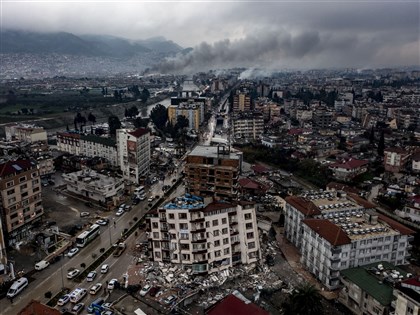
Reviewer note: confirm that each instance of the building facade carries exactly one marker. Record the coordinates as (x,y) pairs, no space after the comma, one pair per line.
(213,171)
(206,238)
(96,146)
(68,142)
(395,159)
(248,125)
(21,200)
(241,101)
(133,148)
(193,111)
(26,133)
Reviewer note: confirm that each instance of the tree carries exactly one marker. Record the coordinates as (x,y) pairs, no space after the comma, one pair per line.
(140,122)
(132,112)
(159,116)
(181,122)
(113,124)
(381,144)
(305,300)
(145,94)
(92,118)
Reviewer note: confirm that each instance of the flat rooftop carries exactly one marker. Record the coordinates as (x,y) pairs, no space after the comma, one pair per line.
(187,201)
(212,152)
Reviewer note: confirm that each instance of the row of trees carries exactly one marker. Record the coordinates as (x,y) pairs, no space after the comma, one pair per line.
(159,116)
(80,120)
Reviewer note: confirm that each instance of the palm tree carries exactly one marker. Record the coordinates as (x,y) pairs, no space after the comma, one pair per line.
(305,300)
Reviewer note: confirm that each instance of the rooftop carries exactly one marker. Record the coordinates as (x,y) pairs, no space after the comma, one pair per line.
(214,152)
(139,132)
(376,279)
(97,139)
(329,231)
(13,167)
(232,305)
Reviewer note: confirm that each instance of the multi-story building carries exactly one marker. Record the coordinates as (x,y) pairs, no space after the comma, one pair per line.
(322,118)
(248,125)
(96,146)
(68,142)
(45,165)
(415,162)
(193,111)
(368,290)
(133,148)
(26,133)
(213,171)
(241,101)
(395,159)
(407,297)
(347,170)
(204,237)
(334,231)
(91,185)
(21,200)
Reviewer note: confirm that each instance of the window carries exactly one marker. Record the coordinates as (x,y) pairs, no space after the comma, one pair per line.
(226,251)
(216,233)
(171,216)
(248,216)
(217,253)
(248,226)
(172,226)
(156,244)
(224,231)
(185,246)
(182,216)
(207,224)
(155,234)
(183,226)
(10,192)
(251,245)
(224,220)
(215,222)
(22,179)
(250,235)
(155,225)
(34,174)
(25,194)
(11,200)
(10,184)
(23,186)
(157,254)
(225,241)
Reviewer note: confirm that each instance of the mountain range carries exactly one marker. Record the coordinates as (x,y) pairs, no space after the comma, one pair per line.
(14,41)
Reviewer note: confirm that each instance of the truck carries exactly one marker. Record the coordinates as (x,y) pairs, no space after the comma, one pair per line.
(119,250)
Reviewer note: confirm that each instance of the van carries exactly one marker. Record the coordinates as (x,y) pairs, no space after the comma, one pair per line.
(98,301)
(17,287)
(77,295)
(41,265)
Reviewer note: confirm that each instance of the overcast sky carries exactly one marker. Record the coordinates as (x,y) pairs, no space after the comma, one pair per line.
(280,33)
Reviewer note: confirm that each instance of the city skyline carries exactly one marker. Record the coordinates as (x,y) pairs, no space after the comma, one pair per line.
(271,35)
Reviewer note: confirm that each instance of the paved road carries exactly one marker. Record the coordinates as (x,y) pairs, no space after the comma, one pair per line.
(54,277)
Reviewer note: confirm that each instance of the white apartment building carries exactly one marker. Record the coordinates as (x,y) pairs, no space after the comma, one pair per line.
(96,146)
(248,125)
(133,149)
(334,231)
(98,187)
(204,237)
(68,142)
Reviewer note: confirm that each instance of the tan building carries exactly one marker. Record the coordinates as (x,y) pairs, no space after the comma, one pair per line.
(395,159)
(21,200)
(241,102)
(213,171)
(27,133)
(193,111)
(204,237)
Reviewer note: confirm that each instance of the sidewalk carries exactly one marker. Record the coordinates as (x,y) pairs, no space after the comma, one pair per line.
(293,258)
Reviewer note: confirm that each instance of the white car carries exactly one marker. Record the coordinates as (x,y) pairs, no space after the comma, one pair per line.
(151,199)
(73,273)
(72,252)
(145,289)
(91,275)
(95,288)
(120,212)
(111,284)
(63,300)
(104,268)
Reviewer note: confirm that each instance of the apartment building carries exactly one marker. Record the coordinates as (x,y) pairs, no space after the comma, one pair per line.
(248,125)
(25,132)
(96,146)
(334,231)
(133,149)
(241,101)
(91,185)
(204,237)
(213,171)
(21,200)
(193,111)
(68,142)
(395,159)
(407,297)
(322,118)
(45,165)
(348,169)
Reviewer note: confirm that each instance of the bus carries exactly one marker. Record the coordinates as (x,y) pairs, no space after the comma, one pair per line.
(85,237)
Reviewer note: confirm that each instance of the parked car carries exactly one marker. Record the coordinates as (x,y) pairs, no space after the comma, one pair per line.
(153,291)
(95,288)
(72,252)
(77,308)
(145,289)
(102,221)
(151,198)
(112,283)
(104,268)
(63,300)
(72,273)
(169,299)
(120,212)
(84,214)
(91,276)
(136,201)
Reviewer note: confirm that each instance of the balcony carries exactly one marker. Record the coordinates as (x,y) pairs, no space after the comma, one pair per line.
(197,219)
(162,219)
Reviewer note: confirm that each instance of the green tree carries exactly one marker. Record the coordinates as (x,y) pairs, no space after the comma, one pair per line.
(159,116)
(181,122)
(381,144)
(91,118)
(133,111)
(113,124)
(145,94)
(305,300)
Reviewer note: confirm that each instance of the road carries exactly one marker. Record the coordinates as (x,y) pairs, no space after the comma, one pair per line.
(54,277)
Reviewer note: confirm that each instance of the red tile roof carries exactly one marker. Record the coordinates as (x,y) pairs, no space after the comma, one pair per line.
(7,168)
(306,207)
(248,183)
(139,132)
(328,231)
(361,201)
(231,305)
(37,308)
(395,225)
(350,164)
(395,150)
(260,169)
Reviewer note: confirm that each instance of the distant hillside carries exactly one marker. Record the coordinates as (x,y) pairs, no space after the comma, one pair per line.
(87,45)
